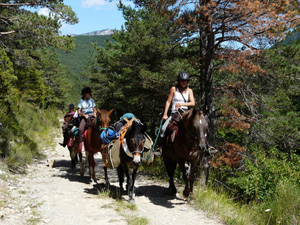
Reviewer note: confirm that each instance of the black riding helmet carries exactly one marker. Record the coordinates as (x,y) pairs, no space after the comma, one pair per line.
(183,76)
(86,90)
(71,106)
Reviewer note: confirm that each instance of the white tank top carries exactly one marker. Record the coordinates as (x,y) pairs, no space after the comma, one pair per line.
(177,98)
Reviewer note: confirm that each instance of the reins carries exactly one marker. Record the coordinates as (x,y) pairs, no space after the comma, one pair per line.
(157,132)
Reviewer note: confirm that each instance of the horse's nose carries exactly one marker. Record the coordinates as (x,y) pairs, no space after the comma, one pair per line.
(202,145)
(137,159)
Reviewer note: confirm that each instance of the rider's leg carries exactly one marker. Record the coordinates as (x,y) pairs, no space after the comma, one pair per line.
(81,134)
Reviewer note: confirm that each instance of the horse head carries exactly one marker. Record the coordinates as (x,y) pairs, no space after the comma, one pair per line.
(196,122)
(135,140)
(103,116)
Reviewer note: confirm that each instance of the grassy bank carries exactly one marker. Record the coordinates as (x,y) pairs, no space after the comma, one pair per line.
(27,135)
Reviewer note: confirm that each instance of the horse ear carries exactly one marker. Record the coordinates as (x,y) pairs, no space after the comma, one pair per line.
(98,110)
(110,111)
(195,111)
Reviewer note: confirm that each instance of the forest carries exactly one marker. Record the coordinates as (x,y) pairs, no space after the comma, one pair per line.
(244,60)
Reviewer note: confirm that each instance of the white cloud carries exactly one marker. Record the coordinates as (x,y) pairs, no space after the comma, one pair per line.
(44,11)
(93,3)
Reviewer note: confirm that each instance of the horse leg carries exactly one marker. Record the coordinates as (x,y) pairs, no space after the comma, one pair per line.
(106,177)
(131,188)
(192,174)
(170,166)
(121,178)
(129,180)
(92,165)
(184,176)
(72,156)
(192,179)
(81,166)
(87,163)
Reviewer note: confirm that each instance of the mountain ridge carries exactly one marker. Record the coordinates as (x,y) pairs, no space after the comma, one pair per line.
(103,32)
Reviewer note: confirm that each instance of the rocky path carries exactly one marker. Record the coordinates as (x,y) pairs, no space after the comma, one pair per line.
(59,195)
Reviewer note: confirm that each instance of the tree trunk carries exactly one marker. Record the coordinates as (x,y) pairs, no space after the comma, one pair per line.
(207,42)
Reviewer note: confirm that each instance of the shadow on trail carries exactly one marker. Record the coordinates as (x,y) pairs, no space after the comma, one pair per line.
(100,189)
(66,171)
(158,195)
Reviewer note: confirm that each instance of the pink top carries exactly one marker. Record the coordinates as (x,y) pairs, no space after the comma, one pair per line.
(70,114)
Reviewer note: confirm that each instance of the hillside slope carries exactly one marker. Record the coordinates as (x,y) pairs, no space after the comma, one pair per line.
(77,60)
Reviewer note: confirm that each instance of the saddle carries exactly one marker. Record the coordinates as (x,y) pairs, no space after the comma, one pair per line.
(172,128)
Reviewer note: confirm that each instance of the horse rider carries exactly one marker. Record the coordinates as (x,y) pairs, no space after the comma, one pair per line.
(86,111)
(67,118)
(180,97)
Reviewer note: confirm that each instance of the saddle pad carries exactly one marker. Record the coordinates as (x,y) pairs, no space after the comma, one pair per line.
(126,149)
(147,147)
(111,155)
(148,142)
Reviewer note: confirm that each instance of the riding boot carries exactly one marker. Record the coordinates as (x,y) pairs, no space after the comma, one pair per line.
(64,143)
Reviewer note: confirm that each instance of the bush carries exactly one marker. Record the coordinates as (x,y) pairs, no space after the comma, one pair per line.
(263,173)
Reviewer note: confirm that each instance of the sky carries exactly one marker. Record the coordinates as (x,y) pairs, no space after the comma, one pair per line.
(93,15)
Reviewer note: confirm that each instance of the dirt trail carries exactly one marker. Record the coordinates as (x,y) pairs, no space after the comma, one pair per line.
(59,195)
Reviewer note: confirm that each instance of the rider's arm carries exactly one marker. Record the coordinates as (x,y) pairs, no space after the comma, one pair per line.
(168,103)
(95,111)
(191,103)
(82,114)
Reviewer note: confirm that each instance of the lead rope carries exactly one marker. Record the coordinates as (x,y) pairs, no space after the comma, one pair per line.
(100,128)
(157,132)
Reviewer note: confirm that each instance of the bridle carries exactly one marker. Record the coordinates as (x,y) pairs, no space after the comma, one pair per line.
(193,137)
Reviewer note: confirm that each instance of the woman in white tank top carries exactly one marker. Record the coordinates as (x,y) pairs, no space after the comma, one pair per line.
(180,96)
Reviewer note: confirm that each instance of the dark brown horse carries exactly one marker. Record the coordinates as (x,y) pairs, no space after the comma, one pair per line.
(131,153)
(93,142)
(189,146)
(69,139)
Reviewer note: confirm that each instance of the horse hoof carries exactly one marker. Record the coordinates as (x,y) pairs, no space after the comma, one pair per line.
(131,201)
(81,173)
(172,190)
(185,194)
(107,184)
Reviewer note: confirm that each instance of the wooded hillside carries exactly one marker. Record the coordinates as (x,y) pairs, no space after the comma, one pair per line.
(78,60)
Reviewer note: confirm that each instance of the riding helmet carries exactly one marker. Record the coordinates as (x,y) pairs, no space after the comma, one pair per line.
(71,106)
(183,76)
(86,90)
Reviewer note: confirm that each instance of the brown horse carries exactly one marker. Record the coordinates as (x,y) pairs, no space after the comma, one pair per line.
(93,142)
(189,146)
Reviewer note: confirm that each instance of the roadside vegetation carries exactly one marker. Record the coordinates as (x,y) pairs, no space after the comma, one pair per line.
(32,81)
(249,90)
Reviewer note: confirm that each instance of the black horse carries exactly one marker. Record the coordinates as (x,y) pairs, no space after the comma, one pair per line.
(131,152)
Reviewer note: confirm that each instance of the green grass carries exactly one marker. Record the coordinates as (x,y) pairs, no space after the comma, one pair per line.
(35,219)
(283,208)
(123,206)
(22,192)
(135,220)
